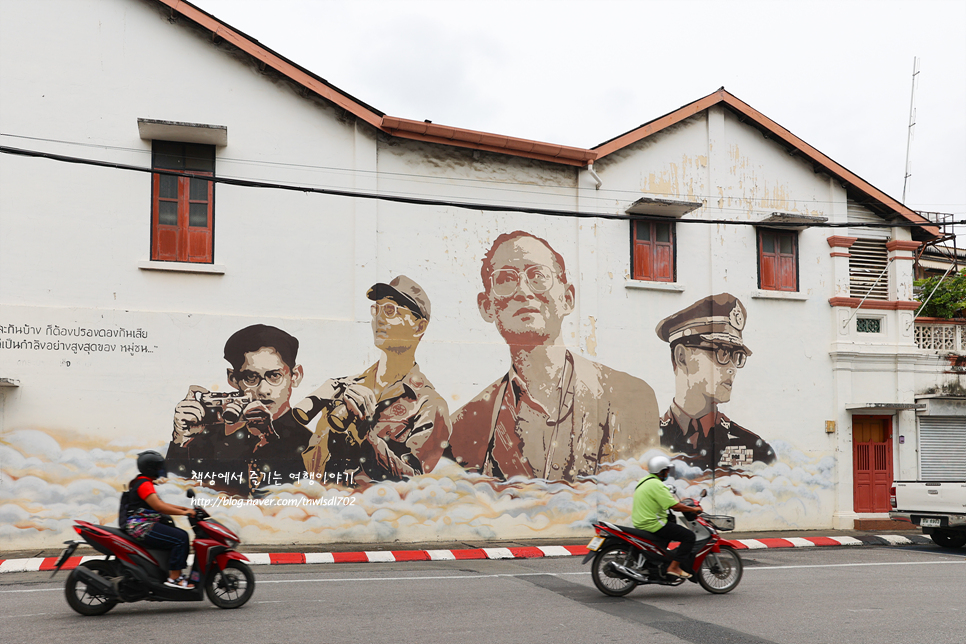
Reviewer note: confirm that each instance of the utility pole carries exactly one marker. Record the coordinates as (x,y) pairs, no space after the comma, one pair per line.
(912,126)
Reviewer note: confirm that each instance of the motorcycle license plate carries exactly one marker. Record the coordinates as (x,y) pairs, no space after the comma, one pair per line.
(931,522)
(595,543)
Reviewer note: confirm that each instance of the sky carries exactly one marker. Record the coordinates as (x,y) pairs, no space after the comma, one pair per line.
(836,74)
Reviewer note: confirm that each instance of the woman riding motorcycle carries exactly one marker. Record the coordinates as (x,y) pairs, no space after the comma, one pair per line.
(147,522)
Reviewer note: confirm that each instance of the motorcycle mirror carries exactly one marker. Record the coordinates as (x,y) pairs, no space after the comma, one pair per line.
(190,493)
(704,493)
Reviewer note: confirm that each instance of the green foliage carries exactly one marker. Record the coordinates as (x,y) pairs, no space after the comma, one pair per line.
(949,301)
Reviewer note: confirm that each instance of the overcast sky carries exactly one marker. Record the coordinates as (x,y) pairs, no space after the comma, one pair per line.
(836,74)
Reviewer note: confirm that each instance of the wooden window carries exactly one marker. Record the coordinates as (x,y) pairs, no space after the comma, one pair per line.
(777,260)
(653,250)
(182,207)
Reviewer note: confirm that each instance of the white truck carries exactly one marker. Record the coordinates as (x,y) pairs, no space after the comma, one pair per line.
(938,507)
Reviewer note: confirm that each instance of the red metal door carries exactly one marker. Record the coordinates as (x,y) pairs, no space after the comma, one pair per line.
(871,463)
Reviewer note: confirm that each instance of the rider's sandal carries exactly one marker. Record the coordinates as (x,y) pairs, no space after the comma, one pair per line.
(682,574)
(181,582)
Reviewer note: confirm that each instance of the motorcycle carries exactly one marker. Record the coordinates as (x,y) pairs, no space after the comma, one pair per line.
(625,557)
(131,573)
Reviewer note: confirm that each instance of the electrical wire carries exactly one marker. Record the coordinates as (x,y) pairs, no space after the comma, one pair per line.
(422,201)
(605,195)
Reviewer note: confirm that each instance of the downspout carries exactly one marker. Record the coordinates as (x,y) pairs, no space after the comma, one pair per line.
(590,169)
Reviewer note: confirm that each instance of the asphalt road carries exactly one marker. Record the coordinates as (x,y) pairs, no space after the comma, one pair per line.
(789,596)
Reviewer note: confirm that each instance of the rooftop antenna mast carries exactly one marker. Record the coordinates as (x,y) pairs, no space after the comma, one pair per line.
(912,126)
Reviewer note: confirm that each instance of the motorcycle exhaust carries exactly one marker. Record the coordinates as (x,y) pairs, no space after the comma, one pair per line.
(629,573)
(95,581)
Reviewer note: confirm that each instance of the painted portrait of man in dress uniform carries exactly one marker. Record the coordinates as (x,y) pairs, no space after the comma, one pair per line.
(555,415)
(707,352)
(387,422)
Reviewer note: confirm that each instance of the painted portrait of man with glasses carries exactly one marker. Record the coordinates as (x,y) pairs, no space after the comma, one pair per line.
(555,415)
(707,351)
(387,423)
(242,442)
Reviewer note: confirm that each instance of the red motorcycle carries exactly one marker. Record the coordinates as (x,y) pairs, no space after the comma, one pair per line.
(132,573)
(626,557)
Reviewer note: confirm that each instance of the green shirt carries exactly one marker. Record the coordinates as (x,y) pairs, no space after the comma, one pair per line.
(651,502)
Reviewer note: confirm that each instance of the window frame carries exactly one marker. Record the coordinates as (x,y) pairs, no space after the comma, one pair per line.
(652,246)
(182,242)
(782,261)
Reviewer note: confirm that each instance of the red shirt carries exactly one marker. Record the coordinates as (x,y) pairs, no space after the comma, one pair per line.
(145,490)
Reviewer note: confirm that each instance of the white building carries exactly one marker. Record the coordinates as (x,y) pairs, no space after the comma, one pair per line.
(119,288)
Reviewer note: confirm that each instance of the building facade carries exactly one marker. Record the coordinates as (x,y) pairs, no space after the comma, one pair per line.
(427,333)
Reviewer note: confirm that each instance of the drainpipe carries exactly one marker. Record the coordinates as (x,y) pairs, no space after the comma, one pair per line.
(590,169)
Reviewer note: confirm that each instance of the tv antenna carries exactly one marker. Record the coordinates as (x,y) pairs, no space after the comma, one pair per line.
(912,126)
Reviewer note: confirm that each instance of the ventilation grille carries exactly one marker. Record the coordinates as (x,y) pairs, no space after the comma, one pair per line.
(868,261)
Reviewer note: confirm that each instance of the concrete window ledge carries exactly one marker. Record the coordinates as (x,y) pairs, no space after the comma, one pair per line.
(182,267)
(762,294)
(674,287)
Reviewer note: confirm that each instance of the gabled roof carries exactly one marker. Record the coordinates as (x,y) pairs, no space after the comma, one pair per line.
(858,188)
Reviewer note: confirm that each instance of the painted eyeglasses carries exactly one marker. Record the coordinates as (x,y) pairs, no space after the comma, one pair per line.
(389,309)
(252,379)
(505,281)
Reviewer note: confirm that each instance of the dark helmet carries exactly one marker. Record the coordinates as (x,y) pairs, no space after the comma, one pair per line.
(150,463)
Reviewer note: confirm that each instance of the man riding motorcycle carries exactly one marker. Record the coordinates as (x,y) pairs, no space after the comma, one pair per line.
(652,500)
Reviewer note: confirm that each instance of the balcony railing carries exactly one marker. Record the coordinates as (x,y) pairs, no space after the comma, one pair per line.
(936,334)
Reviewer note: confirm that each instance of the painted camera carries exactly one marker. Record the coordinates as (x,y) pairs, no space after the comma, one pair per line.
(216,405)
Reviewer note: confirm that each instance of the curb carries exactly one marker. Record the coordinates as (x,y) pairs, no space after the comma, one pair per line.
(41,564)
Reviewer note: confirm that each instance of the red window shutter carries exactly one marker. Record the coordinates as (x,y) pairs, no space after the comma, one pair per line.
(182,219)
(777,261)
(786,273)
(642,260)
(663,262)
(653,251)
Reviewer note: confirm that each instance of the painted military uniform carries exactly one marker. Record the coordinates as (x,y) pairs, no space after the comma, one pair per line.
(408,433)
(604,415)
(713,324)
(713,441)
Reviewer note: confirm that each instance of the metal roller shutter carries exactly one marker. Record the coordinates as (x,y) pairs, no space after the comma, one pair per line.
(942,448)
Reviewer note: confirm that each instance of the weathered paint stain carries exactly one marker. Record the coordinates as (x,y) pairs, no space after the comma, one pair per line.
(591,341)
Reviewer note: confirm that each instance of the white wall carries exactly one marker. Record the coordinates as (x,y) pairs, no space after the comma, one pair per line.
(72,238)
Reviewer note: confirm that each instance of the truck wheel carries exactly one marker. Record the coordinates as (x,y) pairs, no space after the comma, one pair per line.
(948,538)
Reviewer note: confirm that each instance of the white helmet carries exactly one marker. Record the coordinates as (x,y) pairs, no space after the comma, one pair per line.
(658,464)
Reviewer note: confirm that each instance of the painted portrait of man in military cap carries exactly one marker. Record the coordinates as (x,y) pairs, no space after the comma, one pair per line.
(388,422)
(554,415)
(707,352)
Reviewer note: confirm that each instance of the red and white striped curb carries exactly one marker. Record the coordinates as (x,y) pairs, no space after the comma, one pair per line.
(527,552)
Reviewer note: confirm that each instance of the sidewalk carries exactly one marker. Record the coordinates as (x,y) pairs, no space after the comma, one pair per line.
(25,561)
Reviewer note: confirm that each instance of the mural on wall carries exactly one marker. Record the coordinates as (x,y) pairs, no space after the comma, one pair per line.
(707,351)
(556,442)
(554,415)
(243,441)
(387,422)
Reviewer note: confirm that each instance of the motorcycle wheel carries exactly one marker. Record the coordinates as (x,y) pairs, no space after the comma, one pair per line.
(608,582)
(83,599)
(231,587)
(949,539)
(720,573)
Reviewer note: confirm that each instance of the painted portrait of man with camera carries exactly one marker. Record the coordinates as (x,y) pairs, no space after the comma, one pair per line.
(389,422)
(247,439)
